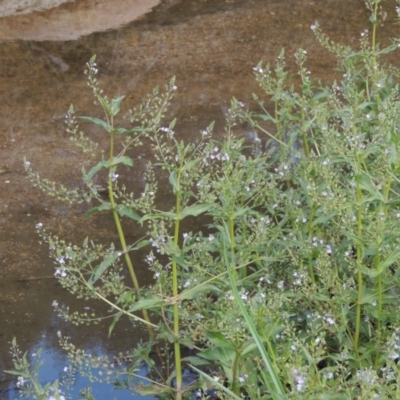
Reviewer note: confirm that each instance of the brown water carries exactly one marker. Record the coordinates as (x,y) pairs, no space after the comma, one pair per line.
(211,46)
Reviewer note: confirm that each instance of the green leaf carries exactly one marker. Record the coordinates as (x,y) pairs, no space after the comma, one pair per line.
(104,104)
(99,122)
(392,258)
(122,160)
(273,380)
(101,207)
(123,131)
(249,347)
(321,95)
(116,105)
(218,385)
(105,264)
(191,293)
(196,361)
(219,341)
(140,244)
(173,180)
(96,169)
(147,303)
(115,320)
(18,373)
(263,117)
(125,211)
(195,210)
(161,214)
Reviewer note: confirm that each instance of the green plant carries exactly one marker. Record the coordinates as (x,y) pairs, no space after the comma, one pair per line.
(288,287)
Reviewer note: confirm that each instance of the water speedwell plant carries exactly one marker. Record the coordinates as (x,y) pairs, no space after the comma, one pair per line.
(285,282)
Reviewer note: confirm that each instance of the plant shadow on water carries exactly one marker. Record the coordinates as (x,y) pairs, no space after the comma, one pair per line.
(203,105)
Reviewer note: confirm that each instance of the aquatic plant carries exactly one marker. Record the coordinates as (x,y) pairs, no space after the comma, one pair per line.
(288,286)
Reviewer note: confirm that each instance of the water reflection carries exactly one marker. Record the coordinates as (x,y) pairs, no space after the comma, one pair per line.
(211,46)
(55,367)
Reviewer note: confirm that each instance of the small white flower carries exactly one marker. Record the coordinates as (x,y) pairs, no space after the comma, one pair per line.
(20,381)
(113,176)
(39,225)
(55,303)
(174,87)
(27,164)
(243,296)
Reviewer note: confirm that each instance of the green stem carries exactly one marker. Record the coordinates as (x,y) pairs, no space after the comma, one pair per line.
(374,27)
(122,237)
(231,225)
(279,131)
(272,381)
(235,371)
(359,264)
(310,235)
(177,348)
(378,265)
(127,257)
(305,137)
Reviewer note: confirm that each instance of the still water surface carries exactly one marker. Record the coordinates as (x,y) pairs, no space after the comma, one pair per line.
(211,46)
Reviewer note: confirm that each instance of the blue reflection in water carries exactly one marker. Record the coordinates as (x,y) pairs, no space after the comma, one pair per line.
(52,369)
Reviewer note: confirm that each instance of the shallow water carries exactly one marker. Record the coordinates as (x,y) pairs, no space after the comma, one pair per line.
(210,46)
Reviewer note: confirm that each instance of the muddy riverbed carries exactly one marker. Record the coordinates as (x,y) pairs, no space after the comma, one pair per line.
(211,46)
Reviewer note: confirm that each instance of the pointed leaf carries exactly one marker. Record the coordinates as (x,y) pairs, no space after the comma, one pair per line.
(105,264)
(96,168)
(191,293)
(123,131)
(196,360)
(217,384)
(115,320)
(94,210)
(116,105)
(218,340)
(195,210)
(125,211)
(173,180)
(122,160)
(145,304)
(104,104)
(99,122)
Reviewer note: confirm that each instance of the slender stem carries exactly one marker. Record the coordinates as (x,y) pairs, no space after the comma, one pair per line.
(235,371)
(310,234)
(177,348)
(231,225)
(374,27)
(378,265)
(359,264)
(305,137)
(127,257)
